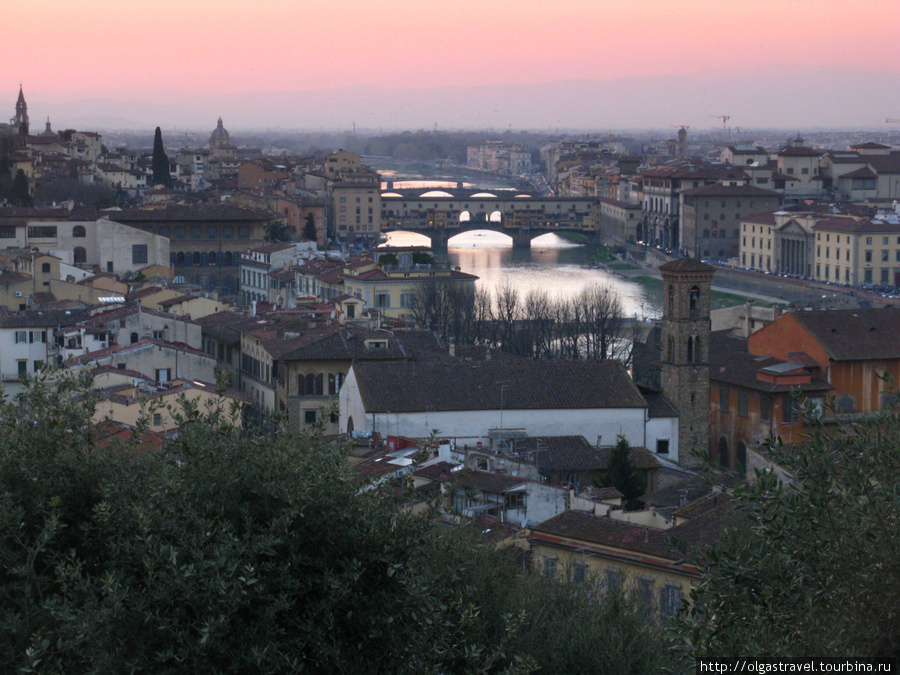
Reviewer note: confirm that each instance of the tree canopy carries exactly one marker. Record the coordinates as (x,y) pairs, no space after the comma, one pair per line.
(231,551)
(815,571)
(621,474)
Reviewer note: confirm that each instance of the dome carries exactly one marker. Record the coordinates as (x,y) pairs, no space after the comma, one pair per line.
(219,136)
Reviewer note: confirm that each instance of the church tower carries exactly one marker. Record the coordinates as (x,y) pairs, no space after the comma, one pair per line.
(685,359)
(21,119)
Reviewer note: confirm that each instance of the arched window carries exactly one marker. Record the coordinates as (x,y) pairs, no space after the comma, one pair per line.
(45,268)
(332,385)
(79,231)
(198,259)
(723,453)
(690,350)
(80,255)
(694,301)
(350,425)
(706,234)
(320,379)
(179,259)
(213,258)
(671,350)
(742,456)
(671,300)
(228,259)
(310,389)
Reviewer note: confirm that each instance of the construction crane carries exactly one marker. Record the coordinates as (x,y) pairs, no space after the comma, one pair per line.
(724,119)
(679,126)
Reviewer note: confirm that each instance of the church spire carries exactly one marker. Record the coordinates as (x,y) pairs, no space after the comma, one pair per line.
(21,118)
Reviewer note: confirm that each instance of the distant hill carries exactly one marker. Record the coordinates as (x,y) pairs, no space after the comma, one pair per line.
(793,98)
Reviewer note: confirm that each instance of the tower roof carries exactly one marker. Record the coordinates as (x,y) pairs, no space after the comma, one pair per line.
(687,264)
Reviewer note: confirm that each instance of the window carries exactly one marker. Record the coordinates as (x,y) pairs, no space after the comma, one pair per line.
(613,578)
(23,369)
(227,232)
(382,300)
(742,403)
(309,416)
(212,232)
(38,365)
(79,231)
(139,254)
(579,573)
(790,412)
(159,335)
(45,268)
(157,419)
(164,231)
(42,231)
(179,232)
(723,398)
(514,500)
(243,232)
(669,600)
(550,567)
(195,231)
(694,302)
(845,403)
(7,231)
(21,336)
(869,255)
(79,255)
(765,408)
(645,591)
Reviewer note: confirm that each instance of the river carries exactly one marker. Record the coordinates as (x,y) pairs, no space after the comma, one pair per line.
(553,264)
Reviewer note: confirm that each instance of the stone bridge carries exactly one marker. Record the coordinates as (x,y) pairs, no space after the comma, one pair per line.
(442,214)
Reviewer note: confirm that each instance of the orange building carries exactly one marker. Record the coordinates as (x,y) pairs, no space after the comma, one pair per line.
(829,353)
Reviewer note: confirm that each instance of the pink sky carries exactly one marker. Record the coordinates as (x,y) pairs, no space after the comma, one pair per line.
(104,47)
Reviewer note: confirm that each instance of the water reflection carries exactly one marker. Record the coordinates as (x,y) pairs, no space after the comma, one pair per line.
(553,264)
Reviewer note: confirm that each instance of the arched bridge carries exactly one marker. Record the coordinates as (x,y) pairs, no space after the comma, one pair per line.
(440,214)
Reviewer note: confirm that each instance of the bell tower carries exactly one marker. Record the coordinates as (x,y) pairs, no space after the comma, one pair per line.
(21,118)
(685,359)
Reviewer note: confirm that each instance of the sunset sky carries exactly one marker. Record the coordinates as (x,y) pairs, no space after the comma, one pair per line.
(128,49)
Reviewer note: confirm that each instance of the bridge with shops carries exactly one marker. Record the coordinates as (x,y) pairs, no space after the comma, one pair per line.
(442,214)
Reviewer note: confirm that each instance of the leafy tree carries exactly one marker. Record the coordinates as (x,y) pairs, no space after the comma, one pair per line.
(277,230)
(816,569)
(160,162)
(309,227)
(233,552)
(621,474)
(20,194)
(388,259)
(422,258)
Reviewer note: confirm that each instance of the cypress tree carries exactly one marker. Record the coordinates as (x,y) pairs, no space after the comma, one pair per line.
(309,229)
(620,473)
(160,165)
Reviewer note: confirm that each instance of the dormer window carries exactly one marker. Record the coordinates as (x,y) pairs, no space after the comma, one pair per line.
(376,344)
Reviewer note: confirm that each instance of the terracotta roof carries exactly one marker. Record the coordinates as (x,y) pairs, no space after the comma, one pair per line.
(575,453)
(730,362)
(495,483)
(608,532)
(719,190)
(492,528)
(855,334)
(686,264)
(47,319)
(706,503)
(539,385)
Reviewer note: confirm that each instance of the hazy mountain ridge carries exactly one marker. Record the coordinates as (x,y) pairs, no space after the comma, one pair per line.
(766,97)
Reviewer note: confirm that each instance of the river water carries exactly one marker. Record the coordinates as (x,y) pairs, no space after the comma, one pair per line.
(553,264)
